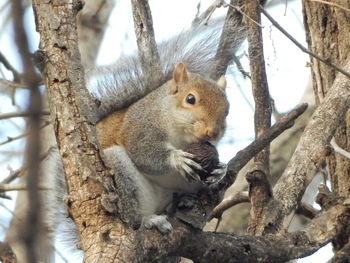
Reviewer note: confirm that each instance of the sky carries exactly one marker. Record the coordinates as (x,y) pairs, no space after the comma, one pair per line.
(286,68)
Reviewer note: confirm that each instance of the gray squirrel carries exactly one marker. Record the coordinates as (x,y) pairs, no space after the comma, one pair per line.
(146,129)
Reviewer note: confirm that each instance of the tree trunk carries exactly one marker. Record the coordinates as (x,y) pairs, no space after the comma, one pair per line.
(327,31)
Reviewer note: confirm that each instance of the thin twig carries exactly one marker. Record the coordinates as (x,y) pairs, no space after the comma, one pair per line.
(307,211)
(11,139)
(207,13)
(12,84)
(13,175)
(19,114)
(238,9)
(339,150)
(20,187)
(331,4)
(326,61)
(228,203)
(4,61)
(20,172)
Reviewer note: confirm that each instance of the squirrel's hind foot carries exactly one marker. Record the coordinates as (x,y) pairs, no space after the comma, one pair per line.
(158,221)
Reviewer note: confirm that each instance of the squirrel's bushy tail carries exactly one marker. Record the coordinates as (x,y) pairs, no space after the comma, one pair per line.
(119,85)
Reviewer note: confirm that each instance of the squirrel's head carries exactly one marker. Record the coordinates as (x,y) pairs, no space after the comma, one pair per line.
(201,105)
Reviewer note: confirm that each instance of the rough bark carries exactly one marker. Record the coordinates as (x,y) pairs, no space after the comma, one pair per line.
(71,106)
(147,47)
(91,25)
(309,154)
(258,183)
(328,34)
(327,30)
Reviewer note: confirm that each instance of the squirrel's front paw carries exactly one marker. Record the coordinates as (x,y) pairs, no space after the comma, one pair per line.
(184,163)
(217,174)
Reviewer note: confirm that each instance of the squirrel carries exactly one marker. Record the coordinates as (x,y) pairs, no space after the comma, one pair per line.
(144,129)
(153,132)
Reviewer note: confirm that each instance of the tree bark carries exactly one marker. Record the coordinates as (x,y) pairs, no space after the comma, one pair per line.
(327,30)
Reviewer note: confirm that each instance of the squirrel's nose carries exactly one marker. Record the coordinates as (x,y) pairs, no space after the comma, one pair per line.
(211,132)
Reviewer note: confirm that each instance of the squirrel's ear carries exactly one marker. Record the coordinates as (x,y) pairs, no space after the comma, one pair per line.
(179,76)
(222,82)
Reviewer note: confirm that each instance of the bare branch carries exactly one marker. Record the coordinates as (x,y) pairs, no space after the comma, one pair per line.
(11,84)
(20,187)
(246,15)
(146,43)
(225,247)
(339,150)
(307,211)
(305,50)
(11,139)
(14,175)
(233,34)
(7,65)
(243,156)
(207,13)
(73,112)
(228,203)
(260,194)
(310,152)
(19,114)
(262,116)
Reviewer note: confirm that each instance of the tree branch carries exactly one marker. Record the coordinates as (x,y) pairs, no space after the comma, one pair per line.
(244,156)
(11,139)
(146,43)
(222,247)
(19,114)
(7,65)
(233,34)
(310,152)
(207,13)
(304,49)
(20,187)
(228,203)
(262,116)
(72,110)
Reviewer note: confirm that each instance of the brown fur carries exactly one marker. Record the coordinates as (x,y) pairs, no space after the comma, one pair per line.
(108,134)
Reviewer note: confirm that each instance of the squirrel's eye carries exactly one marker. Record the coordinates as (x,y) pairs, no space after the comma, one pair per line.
(191,99)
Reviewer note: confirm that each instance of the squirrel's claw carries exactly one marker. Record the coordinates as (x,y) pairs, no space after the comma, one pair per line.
(217,174)
(187,167)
